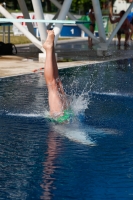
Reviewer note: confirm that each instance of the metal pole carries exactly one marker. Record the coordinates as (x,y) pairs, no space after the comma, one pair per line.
(58,5)
(25,12)
(4,32)
(22,29)
(39,15)
(9,34)
(98,16)
(119,24)
(63,12)
(55,17)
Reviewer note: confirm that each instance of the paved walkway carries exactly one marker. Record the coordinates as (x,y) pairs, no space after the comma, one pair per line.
(74,51)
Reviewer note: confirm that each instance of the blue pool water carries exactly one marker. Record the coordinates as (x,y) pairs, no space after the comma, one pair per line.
(90,158)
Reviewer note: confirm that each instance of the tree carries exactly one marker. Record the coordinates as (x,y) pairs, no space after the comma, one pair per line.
(78,6)
(15,4)
(83,5)
(48,5)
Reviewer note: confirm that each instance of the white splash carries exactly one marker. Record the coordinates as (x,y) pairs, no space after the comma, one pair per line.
(80,103)
(24,114)
(74,133)
(81,133)
(114,94)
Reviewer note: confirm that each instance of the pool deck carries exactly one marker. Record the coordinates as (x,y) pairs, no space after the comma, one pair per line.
(76,51)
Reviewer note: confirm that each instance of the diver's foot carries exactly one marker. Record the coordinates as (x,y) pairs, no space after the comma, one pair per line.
(49,42)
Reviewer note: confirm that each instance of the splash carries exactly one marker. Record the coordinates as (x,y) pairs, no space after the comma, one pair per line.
(80,103)
(34,115)
(129,95)
(74,132)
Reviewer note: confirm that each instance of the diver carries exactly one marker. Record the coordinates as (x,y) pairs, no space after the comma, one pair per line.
(58,102)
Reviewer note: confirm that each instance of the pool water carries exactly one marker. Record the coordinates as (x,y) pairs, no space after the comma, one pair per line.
(90,157)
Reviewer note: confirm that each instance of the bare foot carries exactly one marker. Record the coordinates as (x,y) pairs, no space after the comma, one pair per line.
(126,45)
(49,42)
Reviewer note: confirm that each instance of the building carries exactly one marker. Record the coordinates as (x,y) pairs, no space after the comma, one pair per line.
(120,5)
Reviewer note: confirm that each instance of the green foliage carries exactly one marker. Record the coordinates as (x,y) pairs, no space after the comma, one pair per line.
(84,5)
(13,5)
(78,6)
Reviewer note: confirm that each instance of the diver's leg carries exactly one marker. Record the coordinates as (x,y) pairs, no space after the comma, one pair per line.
(56,75)
(52,70)
(49,66)
(51,73)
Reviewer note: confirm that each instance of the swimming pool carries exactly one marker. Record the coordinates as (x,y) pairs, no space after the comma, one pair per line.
(91,157)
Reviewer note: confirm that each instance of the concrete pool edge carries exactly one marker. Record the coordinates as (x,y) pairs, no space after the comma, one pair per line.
(18,67)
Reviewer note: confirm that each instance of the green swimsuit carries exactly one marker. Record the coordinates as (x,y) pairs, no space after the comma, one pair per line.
(67,116)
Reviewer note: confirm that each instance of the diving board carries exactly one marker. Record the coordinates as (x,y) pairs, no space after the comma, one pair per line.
(43,21)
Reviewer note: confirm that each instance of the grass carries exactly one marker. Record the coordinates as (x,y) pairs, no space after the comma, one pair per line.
(16,39)
(13,39)
(20,39)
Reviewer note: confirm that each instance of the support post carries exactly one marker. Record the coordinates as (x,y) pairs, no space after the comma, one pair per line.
(62,15)
(22,29)
(9,34)
(25,12)
(98,16)
(4,34)
(58,5)
(39,15)
(55,17)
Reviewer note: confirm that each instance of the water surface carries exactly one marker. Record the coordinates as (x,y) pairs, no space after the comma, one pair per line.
(91,157)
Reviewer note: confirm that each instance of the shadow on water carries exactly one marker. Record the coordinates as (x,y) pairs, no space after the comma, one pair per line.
(43,160)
